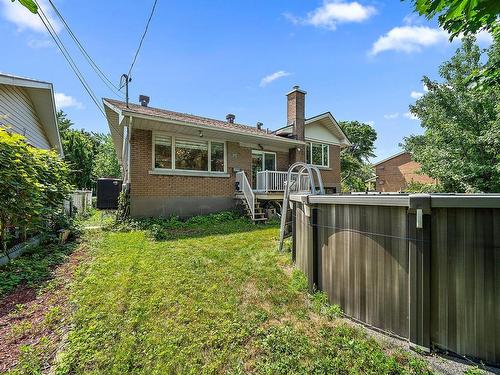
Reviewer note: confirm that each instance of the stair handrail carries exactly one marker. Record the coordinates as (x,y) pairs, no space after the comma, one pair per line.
(288,183)
(247,191)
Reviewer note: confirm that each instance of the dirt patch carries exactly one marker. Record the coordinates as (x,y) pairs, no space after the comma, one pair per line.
(35,320)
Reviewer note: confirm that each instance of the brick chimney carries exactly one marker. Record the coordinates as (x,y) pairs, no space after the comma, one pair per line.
(296,111)
(230,118)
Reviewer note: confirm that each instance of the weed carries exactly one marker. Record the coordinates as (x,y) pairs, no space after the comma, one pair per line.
(33,267)
(474,371)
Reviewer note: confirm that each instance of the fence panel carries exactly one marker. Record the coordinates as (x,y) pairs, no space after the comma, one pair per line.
(364,263)
(424,267)
(465,281)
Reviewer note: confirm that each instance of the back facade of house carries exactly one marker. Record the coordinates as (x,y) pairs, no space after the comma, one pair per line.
(180,164)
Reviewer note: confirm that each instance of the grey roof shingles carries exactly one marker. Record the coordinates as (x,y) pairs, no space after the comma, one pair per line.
(189,118)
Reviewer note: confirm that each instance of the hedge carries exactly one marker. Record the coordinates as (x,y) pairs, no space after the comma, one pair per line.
(33,186)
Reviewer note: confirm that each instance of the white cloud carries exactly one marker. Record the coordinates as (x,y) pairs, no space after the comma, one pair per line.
(332,13)
(25,20)
(273,77)
(411,116)
(66,101)
(391,116)
(416,94)
(409,39)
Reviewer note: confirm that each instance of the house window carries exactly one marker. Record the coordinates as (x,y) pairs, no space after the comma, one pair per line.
(163,152)
(317,154)
(217,156)
(191,155)
(188,154)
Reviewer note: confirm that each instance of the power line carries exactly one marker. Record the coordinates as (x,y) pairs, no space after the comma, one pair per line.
(115,89)
(71,62)
(67,56)
(142,38)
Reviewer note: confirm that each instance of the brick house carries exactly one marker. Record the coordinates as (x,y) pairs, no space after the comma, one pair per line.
(394,173)
(181,164)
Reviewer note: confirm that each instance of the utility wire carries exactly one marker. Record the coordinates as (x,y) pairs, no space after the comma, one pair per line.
(71,62)
(143,36)
(67,56)
(114,88)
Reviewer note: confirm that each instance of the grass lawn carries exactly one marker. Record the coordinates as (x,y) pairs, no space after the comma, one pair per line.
(209,296)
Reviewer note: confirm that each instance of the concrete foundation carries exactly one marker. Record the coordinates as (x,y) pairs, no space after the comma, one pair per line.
(178,206)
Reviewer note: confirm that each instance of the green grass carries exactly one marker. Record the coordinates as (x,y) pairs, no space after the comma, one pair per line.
(210,295)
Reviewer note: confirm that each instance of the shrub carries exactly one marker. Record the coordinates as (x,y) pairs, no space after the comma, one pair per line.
(33,185)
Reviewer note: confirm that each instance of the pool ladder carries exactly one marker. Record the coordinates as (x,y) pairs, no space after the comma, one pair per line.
(304,169)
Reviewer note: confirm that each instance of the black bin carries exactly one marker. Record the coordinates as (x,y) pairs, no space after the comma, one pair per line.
(108,191)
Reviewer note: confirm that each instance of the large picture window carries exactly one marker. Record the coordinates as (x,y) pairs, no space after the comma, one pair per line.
(185,154)
(317,154)
(191,155)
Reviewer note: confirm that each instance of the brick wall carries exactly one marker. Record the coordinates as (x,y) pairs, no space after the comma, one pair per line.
(394,174)
(144,184)
(331,176)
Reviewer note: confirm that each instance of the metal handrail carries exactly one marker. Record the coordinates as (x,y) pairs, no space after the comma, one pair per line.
(247,191)
(312,171)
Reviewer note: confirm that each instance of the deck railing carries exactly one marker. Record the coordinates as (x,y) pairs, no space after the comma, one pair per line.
(274,181)
(246,189)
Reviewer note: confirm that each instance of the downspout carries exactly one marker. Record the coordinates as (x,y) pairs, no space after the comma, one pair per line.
(129,137)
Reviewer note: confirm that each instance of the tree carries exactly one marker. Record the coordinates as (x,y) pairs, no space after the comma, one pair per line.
(467,17)
(355,168)
(106,162)
(461,17)
(29,4)
(79,149)
(460,146)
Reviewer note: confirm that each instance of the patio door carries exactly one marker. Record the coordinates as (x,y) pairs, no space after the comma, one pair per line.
(262,161)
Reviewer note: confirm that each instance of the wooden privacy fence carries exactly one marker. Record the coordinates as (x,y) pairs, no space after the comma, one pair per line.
(423,267)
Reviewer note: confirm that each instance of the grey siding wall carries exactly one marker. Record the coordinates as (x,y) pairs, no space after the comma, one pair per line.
(17,112)
(434,280)
(363,254)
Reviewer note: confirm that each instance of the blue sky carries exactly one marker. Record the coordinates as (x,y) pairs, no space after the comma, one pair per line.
(360,60)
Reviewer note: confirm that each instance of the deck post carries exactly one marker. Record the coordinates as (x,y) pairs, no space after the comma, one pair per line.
(419,252)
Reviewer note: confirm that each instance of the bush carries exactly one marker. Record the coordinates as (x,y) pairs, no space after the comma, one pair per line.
(33,186)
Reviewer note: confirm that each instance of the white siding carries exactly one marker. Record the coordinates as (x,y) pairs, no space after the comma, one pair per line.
(17,112)
(319,132)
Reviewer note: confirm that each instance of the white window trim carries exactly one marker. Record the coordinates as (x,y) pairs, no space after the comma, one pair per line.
(267,152)
(187,172)
(327,166)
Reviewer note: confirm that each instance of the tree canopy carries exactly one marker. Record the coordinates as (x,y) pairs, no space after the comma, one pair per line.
(461,17)
(460,146)
(355,168)
(89,155)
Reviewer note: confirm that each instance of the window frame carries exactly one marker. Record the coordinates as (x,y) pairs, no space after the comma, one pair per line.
(263,157)
(309,144)
(173,170)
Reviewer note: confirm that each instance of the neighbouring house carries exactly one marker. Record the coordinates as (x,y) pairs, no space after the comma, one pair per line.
(181,164)
(27,107)
(395,172)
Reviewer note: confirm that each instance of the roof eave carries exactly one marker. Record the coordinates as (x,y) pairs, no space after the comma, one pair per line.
(269,137)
